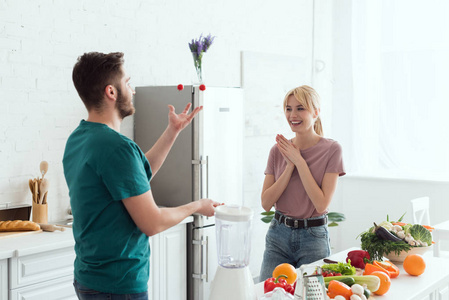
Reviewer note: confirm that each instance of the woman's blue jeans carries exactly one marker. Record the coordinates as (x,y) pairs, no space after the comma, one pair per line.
(294,246)
(85,293)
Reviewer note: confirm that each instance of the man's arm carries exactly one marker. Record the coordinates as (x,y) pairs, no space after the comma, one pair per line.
(152,219)
(176,123)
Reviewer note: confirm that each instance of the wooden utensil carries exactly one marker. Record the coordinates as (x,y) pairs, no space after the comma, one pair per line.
(43,188)
(36,189)
(44,201)
(30,183)
(44,168)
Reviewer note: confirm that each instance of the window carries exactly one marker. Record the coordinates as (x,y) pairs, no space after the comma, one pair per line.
(391,90)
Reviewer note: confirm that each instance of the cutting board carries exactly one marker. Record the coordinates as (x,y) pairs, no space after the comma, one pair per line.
(4,235)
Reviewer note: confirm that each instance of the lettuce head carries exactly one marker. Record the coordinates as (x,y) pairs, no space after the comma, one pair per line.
(418,232)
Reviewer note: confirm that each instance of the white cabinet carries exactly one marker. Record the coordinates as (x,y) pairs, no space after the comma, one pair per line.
(168,265)
(443,293)
(3,279)
(46,271)
(45,275)
(61,288)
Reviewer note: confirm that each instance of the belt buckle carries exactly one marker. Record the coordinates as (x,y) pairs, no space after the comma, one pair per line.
(285,222)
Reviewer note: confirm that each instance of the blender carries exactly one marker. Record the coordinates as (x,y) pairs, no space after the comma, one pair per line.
(233,278)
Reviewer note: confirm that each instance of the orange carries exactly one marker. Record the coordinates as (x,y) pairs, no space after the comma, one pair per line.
(385,282)
(287,270)
(414,264)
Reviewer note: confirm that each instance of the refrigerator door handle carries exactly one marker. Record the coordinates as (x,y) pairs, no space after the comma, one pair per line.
(202,162)
(207,176)
(207,259)
(198,162)
(202,243)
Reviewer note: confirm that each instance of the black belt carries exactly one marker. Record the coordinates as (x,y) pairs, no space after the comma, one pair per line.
(299,223)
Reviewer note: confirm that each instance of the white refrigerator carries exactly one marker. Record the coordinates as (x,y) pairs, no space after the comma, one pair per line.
(206,161)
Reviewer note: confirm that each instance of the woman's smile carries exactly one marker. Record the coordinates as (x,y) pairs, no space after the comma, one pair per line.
(295,123)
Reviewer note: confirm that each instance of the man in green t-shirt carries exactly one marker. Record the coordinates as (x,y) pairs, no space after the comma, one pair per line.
(108,178)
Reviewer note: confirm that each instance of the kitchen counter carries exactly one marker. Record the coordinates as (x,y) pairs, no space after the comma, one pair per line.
(35,243)
(39,242)
(433,284)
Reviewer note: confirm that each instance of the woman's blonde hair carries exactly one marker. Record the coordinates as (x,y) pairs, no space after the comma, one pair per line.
(310,99)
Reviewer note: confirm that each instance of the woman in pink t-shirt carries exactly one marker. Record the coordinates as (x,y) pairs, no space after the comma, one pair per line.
(300,180)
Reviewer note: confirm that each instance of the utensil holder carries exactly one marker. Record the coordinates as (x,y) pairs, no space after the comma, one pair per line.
(40,213)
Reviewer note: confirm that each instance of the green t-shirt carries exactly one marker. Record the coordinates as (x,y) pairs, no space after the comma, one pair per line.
(102,167)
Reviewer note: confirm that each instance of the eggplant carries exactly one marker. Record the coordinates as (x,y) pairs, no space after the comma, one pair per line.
(385,234)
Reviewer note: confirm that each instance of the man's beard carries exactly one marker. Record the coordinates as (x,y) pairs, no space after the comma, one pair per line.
(124,107)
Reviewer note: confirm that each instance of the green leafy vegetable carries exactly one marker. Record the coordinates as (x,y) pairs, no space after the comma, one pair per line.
(378,248)
(420,233)
(341,267)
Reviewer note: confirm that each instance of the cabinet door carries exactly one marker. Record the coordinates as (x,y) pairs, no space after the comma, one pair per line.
(61,288)
(35,268)
(153,283)
(170,252)
(443,293)
(3,279)
(173,270)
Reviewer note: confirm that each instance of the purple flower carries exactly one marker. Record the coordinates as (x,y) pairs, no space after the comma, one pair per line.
(207,42)
(201,45)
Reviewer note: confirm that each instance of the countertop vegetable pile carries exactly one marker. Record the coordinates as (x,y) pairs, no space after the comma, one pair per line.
(376,279)
(357,278)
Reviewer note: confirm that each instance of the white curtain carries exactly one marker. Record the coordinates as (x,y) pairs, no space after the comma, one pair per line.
(396,122)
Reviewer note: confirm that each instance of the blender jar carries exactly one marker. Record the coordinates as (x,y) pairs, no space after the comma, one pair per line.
(233,227)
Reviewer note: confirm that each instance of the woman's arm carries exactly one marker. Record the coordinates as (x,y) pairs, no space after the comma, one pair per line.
(320,197)
(272,189)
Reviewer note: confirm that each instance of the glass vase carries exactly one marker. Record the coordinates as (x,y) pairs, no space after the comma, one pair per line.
(197,61)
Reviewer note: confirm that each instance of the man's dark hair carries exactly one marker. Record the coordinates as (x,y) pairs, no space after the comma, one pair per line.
(93,72)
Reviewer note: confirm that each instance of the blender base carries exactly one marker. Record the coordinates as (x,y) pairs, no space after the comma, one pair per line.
(235,284)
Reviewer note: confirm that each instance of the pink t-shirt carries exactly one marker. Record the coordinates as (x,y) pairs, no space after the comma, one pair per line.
(324,157)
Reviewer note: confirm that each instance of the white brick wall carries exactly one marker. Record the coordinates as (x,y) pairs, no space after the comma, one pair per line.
(41,39)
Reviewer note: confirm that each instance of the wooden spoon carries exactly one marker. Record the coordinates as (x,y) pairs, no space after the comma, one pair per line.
(43,188)
(44,168)
(36,190)
(44,201)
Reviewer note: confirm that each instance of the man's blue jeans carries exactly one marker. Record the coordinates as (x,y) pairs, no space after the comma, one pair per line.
(84,293)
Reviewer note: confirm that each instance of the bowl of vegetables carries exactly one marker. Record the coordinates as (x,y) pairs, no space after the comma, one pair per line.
(403,254)
(396,240)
